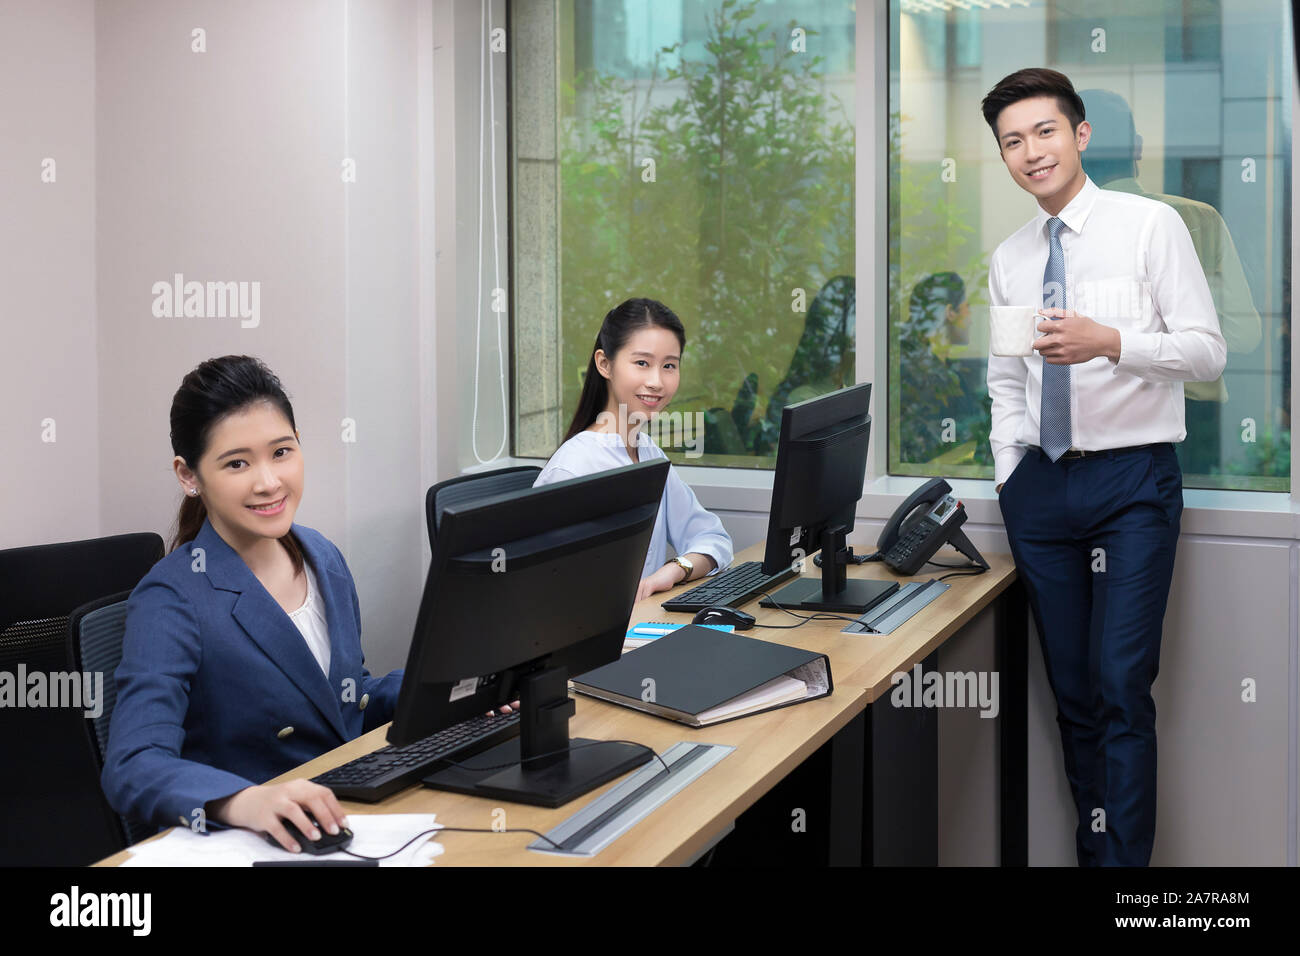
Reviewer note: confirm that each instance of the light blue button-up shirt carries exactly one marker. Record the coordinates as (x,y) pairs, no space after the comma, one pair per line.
(682,522)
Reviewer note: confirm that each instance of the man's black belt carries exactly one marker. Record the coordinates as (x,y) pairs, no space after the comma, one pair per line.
(1080,453)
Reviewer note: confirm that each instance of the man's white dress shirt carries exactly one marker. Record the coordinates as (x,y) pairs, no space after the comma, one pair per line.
(1129,264)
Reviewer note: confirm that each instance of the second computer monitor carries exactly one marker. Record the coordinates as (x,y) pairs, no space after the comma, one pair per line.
(821,463)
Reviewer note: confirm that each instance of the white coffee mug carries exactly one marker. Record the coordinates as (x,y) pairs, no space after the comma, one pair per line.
(1013,328)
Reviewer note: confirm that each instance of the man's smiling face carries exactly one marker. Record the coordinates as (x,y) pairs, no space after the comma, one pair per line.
(1041,151)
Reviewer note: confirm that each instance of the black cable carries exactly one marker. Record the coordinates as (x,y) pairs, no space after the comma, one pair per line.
(504,766)
(940,564)
(542,836)
(817,616)
(966,570)
(852,559)
(784,627)
(974,569)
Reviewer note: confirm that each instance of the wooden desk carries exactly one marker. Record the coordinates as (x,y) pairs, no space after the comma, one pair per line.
(768,746)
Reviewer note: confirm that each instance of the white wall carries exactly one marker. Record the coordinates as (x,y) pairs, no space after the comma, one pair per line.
(385,540)
(48,364)
(228,165)
(222,165)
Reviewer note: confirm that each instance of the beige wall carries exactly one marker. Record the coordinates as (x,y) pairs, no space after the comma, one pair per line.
(222,165)
(49,490)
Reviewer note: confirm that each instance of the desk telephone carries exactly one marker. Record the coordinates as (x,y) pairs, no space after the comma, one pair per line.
(930,518)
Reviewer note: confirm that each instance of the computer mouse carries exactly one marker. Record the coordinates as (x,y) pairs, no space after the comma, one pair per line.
(328,843)
(724,615)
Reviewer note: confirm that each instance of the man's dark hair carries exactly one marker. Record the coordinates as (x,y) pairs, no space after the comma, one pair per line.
(1026,84)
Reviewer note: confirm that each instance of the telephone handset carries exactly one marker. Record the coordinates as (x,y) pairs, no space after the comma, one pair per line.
(930,518)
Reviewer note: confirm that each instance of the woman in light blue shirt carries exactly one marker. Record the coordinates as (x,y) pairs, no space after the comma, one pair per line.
(632,376)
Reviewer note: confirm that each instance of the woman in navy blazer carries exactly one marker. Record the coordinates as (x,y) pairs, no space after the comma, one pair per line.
(242,654)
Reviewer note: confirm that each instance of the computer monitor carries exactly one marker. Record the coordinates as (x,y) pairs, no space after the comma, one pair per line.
(821,462)
(525,589)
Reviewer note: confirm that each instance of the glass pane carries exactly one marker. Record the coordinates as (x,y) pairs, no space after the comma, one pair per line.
(1190,103)
(702,155)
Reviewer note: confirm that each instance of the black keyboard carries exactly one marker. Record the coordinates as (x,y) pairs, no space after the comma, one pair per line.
(731,588)
(375,775)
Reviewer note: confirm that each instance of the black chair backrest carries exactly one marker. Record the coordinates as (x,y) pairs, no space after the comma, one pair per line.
(95,633)
(473,487)
(52,809)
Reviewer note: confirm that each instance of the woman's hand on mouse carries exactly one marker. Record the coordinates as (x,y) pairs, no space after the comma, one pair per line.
(265,808)
(670,575)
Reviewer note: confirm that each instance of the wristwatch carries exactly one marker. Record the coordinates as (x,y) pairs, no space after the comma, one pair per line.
(684,565)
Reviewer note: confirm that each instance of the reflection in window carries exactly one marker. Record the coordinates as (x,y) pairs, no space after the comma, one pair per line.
(1189,104)
(702,154)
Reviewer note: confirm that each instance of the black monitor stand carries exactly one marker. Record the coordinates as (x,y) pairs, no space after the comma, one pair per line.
(569,768)
(835,592)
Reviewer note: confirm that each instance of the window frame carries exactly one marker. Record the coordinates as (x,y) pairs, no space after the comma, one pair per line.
(748,490)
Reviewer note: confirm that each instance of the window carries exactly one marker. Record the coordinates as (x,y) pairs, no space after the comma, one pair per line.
(702,154)
(1189,103)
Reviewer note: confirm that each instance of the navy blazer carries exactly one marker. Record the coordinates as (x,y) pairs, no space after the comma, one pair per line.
(218,690)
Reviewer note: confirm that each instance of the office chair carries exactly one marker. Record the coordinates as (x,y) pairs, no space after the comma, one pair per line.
(95,633)
(52,809)
(483,484)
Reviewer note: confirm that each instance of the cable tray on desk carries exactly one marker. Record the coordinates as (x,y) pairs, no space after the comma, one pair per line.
(608,817)
(891,613)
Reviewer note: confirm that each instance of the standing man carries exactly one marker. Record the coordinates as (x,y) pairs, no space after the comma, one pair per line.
(1087,478)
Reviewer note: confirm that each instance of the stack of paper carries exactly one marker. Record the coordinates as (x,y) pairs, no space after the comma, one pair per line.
(374,834)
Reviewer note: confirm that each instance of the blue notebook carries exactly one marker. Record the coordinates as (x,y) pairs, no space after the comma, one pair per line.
(645,632)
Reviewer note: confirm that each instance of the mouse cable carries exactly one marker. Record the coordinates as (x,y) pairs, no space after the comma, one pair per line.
(505,766)
(441,829)
(817,616)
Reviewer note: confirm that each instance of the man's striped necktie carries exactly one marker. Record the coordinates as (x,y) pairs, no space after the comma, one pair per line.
(1054,418)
